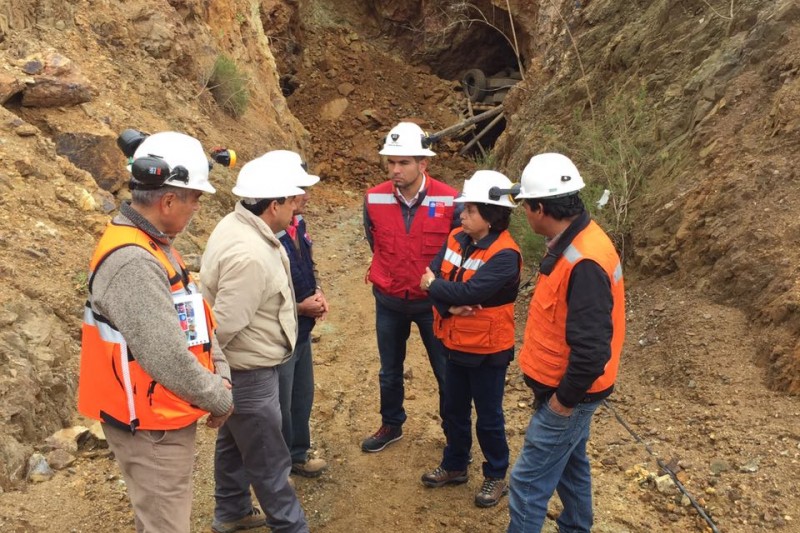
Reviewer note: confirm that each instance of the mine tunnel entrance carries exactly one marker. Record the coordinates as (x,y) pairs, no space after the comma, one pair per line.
(483,58)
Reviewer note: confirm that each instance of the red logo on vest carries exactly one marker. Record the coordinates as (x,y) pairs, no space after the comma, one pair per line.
(436,210)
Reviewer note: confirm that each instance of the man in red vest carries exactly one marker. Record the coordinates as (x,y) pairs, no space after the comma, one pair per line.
(571,350)
(406,220)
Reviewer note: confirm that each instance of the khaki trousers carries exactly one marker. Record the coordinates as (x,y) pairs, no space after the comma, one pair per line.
(157,466)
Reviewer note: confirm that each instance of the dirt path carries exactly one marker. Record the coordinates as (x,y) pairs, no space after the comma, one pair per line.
(687,387)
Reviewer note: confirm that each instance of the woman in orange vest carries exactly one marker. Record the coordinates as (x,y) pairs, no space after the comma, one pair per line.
(473,283)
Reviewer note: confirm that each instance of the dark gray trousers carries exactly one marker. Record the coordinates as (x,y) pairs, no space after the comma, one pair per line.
(251,451)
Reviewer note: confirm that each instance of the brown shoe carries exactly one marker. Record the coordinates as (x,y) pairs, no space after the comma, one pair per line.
(311,468)
(255,518)
(441,477)
(492,490)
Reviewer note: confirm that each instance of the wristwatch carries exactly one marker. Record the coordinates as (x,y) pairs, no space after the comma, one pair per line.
(428,283)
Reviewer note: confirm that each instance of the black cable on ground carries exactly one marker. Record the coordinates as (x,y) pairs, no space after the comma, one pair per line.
(664,467)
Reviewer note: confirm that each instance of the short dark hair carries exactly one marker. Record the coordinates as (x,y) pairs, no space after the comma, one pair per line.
(558,208)
(259,206)
(497,216)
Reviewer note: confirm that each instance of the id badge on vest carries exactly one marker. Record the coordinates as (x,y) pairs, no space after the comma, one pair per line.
(192,317)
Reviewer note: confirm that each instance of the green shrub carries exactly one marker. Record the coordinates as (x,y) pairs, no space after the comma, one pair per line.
(530,244)
(80,281)
(611,152)
(486,161)
(229,86)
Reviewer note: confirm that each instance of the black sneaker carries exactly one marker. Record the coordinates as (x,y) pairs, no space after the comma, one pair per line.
(491,491)
(382,438)
(441,477)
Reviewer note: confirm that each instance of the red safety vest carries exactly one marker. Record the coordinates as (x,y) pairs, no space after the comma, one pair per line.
(490,329)
(399,257)
(545,353)
(113,387)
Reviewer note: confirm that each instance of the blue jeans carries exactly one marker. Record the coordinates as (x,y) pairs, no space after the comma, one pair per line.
(296,378)
(250,451)
(484,385)
(393,329)
(553,458)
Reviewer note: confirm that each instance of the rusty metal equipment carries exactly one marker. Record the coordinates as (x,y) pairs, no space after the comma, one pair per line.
(491,90)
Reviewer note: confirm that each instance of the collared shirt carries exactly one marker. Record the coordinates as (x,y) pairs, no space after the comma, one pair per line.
(415,199)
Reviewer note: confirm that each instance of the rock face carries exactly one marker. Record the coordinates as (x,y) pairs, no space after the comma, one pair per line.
(33,397)
(709,131)
(57,81)
(9,86)
(76,74)
(96,154)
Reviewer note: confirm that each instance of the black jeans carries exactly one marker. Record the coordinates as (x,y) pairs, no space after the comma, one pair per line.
(393,329)
(483,385)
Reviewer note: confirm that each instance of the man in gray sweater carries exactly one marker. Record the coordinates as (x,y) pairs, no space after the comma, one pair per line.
(150,363)
(247,275)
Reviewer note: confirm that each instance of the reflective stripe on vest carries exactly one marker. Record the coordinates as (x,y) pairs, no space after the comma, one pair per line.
(545,353)
(113,387)
(444,200)
(382,199)
(491,329)
(399,256)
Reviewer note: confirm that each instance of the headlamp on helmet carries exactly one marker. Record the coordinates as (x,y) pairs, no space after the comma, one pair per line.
(129,140)
(488,187)
(495,193)
(224,156)
(168,158)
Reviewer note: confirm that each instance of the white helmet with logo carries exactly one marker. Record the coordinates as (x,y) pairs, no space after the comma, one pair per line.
(549,176)
(487,187)
(406,139)
(170,158)
(273,175)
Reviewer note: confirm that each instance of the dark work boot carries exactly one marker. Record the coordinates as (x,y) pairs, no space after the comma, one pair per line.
(382,438)
(441,477)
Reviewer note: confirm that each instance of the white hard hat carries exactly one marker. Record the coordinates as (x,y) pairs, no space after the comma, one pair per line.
(406,139)
(301,178)
(479,189)
(549,176)
(175,157)
(270,176)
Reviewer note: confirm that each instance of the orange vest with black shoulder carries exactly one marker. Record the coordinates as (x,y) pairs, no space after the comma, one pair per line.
(113,388)
(545,353)
(491,329)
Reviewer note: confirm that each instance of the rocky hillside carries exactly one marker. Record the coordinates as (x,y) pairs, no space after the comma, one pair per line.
(74,75)
(687,111)
(690,113)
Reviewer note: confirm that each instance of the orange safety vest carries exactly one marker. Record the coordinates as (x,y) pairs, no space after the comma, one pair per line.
(113,387)
(490,329)
(545,353)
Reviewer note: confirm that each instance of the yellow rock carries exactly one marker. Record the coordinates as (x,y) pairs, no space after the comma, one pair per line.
(86,201)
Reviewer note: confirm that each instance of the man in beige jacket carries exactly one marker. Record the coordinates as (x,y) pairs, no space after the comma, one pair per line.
(247,277)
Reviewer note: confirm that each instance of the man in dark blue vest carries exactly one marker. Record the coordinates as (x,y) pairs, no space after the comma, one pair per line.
(297,375)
